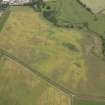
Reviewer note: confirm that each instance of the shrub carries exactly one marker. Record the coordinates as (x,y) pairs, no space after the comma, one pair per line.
(50,15)
(103,45)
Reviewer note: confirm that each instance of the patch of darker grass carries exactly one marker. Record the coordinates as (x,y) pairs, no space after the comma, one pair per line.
(3,19)
(70,46)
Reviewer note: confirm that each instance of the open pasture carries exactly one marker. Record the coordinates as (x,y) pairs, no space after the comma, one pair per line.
(55,52)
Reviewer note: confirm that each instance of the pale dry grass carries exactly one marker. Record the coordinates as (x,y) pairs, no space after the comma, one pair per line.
(95,5)
(54,97)
(19,86)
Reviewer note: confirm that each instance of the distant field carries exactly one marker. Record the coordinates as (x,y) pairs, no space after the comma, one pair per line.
(83,102)
(72,11)
(95,5)
(18,86)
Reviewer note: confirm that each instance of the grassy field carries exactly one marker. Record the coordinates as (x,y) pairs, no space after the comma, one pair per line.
(73,12)
(18,86)
(56,52)
(81,102)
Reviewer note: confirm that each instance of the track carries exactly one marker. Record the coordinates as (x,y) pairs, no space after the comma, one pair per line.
(36,72)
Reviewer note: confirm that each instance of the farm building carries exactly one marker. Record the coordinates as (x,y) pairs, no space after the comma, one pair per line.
(20,2)
(16,2)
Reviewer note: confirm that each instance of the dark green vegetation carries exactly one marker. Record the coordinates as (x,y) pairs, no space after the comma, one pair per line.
(3,6)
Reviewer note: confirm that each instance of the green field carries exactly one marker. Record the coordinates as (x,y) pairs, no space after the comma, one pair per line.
(75,13)
(90,103)
(71,11)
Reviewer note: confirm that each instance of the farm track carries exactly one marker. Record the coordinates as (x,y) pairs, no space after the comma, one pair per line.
(36,72)
(50,81)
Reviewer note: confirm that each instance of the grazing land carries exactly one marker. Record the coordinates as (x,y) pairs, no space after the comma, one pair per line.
(70,57)
(75,12)
(71,11)
(57,53)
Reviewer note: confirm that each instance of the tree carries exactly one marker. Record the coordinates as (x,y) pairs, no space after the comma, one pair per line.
(37,4)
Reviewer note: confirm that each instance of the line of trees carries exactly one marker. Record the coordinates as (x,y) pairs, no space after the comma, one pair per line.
(37,4)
